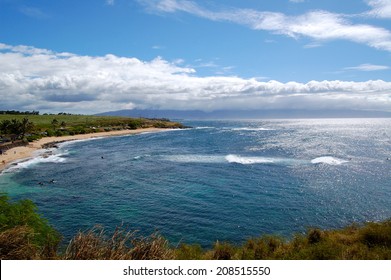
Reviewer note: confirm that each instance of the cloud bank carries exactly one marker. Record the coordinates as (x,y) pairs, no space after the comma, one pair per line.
(39,79)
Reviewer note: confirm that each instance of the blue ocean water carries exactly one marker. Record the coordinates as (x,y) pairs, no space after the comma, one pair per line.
(220,180)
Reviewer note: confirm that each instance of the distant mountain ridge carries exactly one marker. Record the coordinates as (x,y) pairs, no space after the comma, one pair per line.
(246,114)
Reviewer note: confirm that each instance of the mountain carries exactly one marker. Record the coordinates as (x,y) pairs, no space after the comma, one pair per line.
(247,114)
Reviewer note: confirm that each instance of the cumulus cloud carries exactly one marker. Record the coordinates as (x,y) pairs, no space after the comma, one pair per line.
(318,25)
(38,79)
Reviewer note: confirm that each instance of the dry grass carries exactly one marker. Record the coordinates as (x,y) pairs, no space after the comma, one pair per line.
(121,245)
(15,244)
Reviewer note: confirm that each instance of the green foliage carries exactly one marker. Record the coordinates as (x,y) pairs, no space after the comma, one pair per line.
(223,251)
(135,123)
(375,234)
(371,241)
(16,128)
(189,252)
(50,132)
(24,214)
(54,123)
(65,124)
(33,137)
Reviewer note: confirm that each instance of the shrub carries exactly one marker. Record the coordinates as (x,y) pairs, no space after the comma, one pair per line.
(223,251)
(33,137)
(31,228)
(189,252)
(375,234)
(314,236)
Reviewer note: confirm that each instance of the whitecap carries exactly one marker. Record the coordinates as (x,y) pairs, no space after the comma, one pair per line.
(140,157)
(251,129)
(248,160)
(204,127)
(328,160)
(195,158)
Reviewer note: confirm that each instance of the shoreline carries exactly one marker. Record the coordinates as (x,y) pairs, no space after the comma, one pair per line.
(26,152)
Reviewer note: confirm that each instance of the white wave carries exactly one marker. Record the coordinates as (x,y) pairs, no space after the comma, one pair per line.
(204,127)
(197,158)
(70,142)
(192,158)
(140,157)
(44,158)
(328,160)
(248,160)
(251,129)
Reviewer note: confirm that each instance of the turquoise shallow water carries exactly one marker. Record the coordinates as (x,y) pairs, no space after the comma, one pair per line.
(224,180)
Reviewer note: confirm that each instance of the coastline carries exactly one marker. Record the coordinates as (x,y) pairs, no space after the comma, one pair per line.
(26,152)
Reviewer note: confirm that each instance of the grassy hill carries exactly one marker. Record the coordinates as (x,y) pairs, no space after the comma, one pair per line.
(60,125)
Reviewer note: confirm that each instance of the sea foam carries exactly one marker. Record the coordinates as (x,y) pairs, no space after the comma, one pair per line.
(328,160)
(251,129)
(248,160)
(53,158)
(195,158)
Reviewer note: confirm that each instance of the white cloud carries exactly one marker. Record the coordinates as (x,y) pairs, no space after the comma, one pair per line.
(318,25)
(36,79)
(368,67)
(33,12)
(380,8)
(110,2)
(296,1)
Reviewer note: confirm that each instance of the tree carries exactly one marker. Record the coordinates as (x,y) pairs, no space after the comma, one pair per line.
(5,127)
(25,127)
(54,124)
(16,129)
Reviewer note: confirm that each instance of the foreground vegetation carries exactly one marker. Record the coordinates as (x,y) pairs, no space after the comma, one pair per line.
(24,234)
(33,126)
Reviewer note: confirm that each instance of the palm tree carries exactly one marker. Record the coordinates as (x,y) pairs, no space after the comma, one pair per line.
(25,127)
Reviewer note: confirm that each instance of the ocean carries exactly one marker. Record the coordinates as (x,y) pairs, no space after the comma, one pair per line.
(224,180)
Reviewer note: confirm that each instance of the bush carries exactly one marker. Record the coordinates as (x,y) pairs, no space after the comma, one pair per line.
(223,251)
(375,234)
(189,252)
(135,123)
(33,137)
(33,230)
(50,132)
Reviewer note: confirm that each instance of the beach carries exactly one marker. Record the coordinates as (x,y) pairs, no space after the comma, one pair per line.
(25,152)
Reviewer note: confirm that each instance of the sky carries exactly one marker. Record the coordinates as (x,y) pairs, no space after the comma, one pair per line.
(93,56)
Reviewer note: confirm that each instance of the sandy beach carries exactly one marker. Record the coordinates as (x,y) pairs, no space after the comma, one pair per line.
(25,152)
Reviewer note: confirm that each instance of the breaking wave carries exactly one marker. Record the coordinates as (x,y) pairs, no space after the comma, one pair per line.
(44,158)
(328,160)
(248,160)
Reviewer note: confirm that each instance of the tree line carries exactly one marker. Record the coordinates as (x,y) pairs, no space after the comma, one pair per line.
(14,112)
(16,129)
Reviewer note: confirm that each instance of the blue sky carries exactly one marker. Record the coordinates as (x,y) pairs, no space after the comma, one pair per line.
(96,55)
